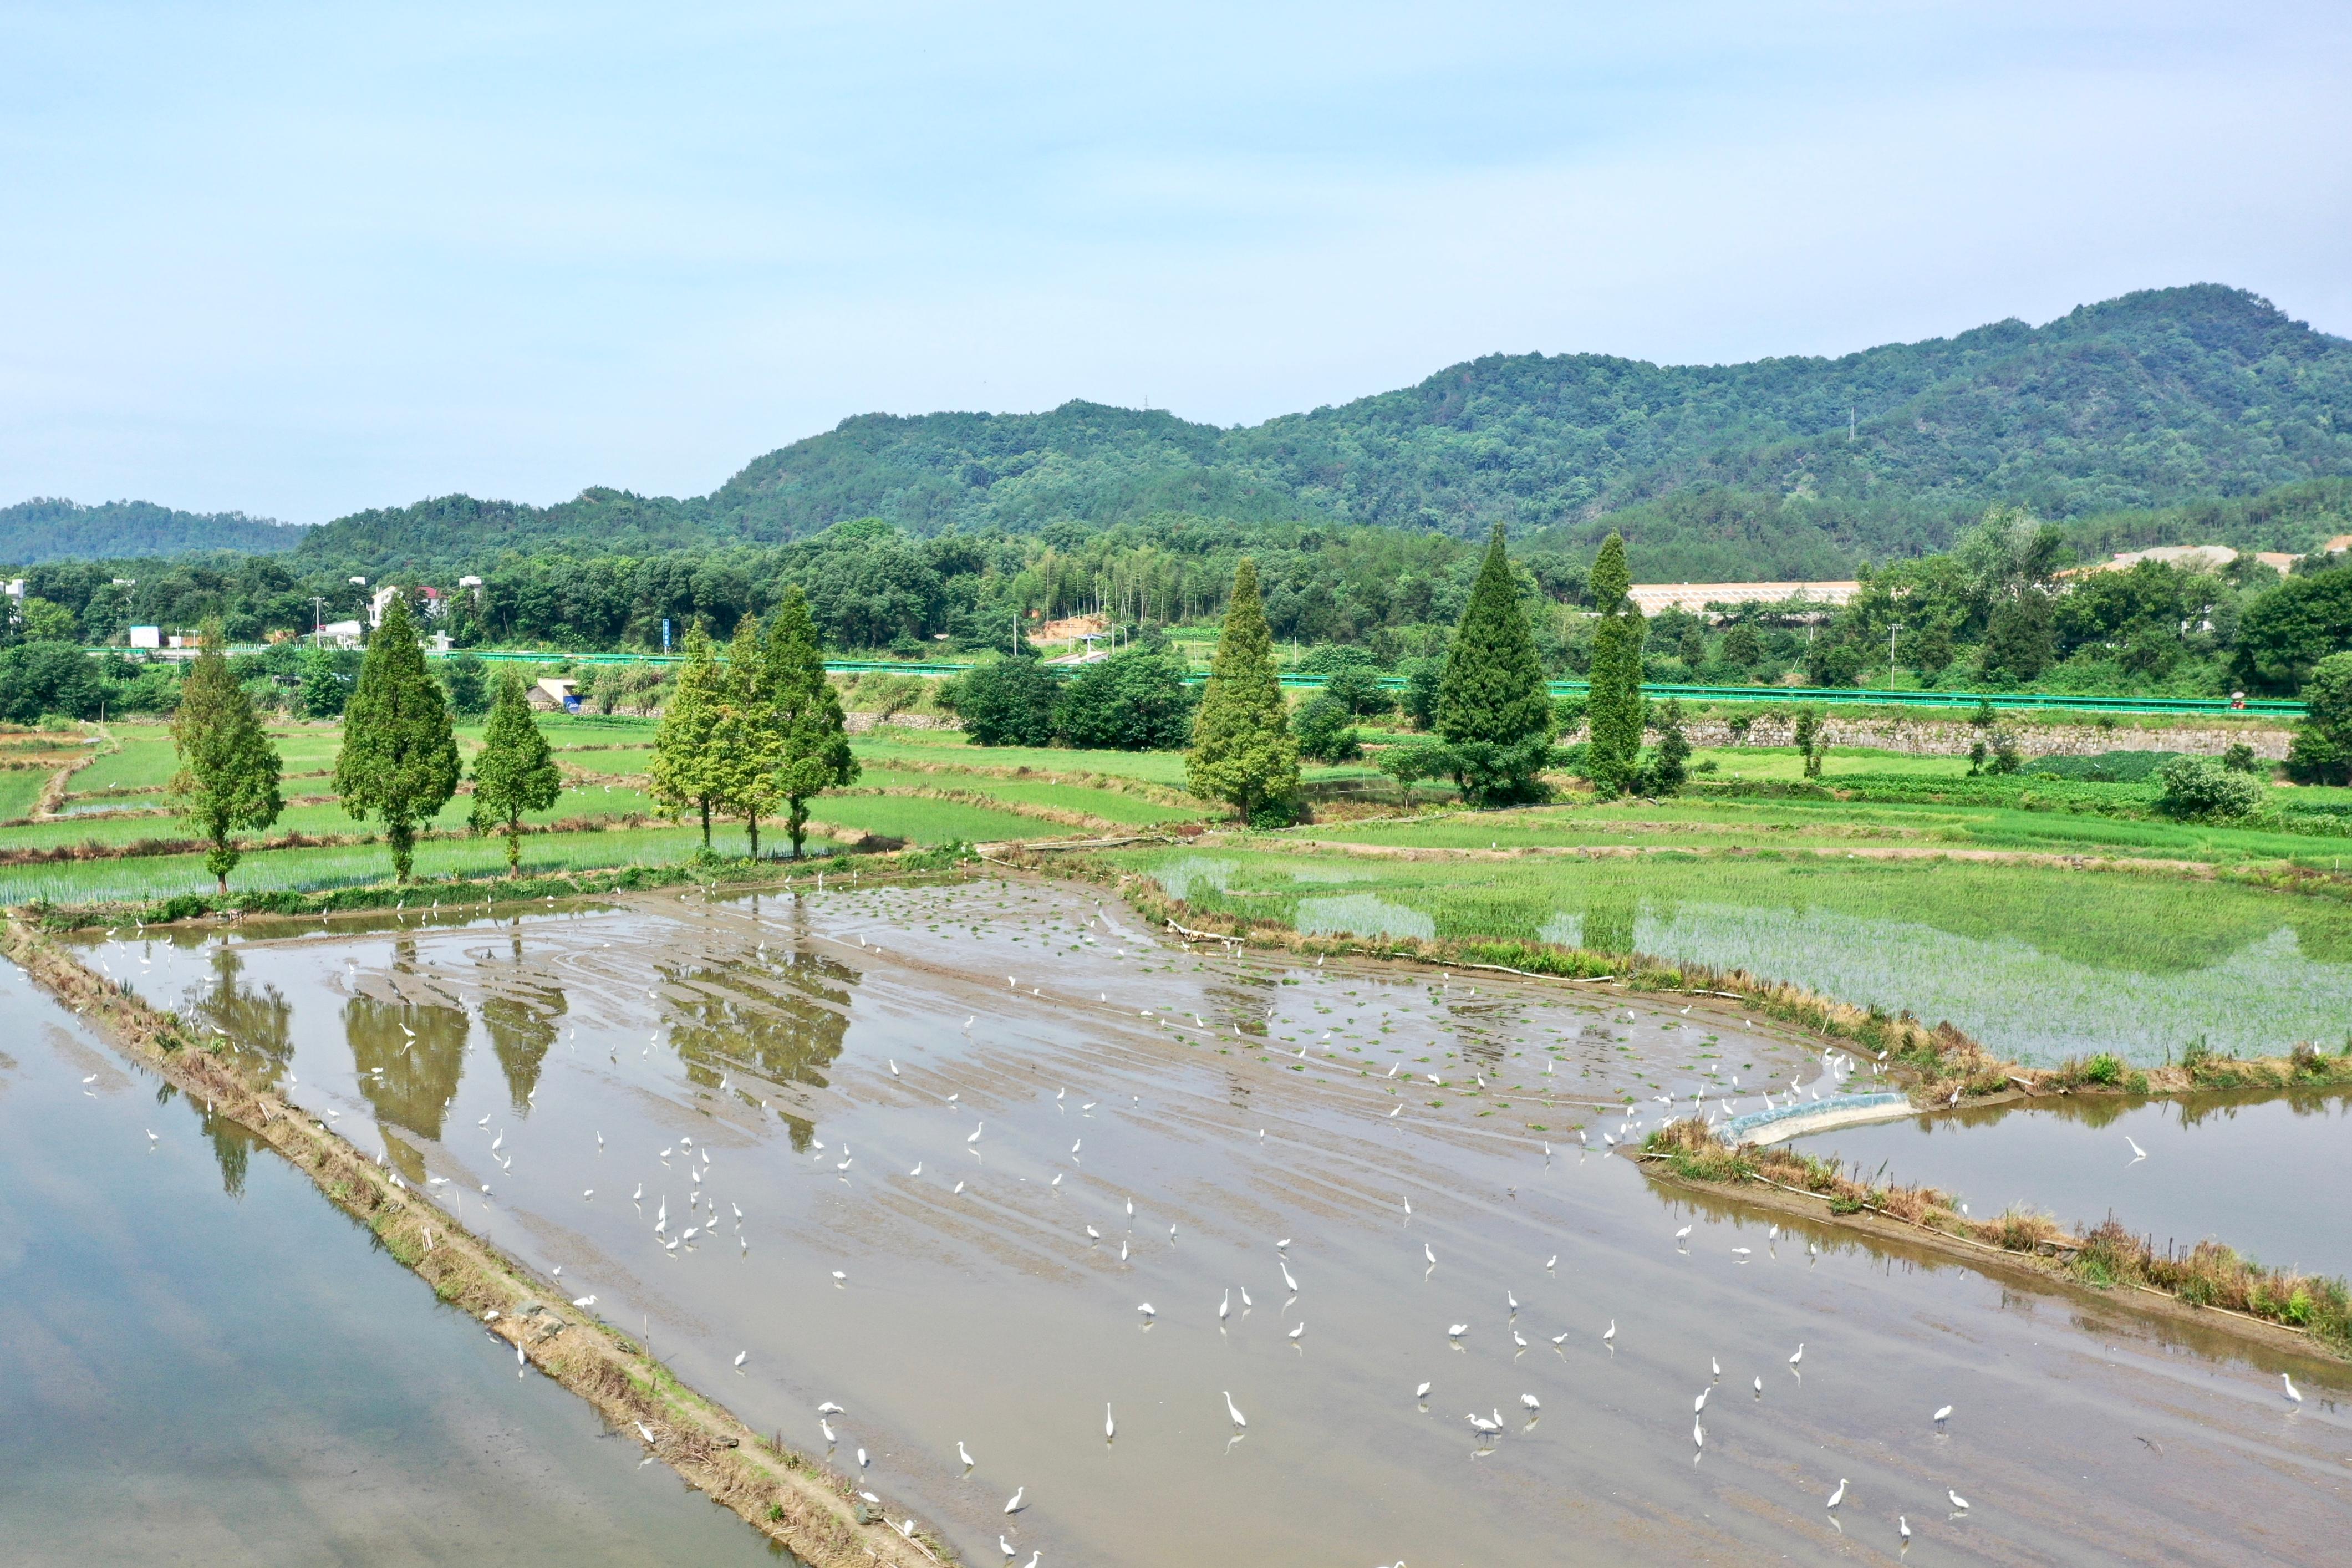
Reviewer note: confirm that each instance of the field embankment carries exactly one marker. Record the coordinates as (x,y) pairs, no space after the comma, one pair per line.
(2268,1305)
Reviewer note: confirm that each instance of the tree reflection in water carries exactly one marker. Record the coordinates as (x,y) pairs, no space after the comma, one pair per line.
(408,1057)
(763,1013)
(521,1017)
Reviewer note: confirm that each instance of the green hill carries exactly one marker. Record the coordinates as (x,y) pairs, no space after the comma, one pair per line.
(1779,467)
(46,528)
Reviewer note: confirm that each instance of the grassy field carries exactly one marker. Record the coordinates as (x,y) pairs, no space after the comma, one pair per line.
(1111,806)
(2041,963)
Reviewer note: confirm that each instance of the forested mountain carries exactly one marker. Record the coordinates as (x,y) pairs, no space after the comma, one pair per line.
(46,528)
(1798,467)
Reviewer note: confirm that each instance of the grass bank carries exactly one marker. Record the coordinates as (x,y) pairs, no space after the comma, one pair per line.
(2208,1275)
(791,1498)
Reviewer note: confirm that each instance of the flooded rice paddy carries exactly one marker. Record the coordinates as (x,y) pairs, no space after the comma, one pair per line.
(2267,1174)
(2042,964)
(882,1146)
(206,1363)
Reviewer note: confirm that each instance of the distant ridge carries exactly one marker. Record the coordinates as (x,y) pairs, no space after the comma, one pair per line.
(2137,411)
(51,529)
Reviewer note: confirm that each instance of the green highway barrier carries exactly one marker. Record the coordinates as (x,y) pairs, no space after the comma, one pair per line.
(1823,696)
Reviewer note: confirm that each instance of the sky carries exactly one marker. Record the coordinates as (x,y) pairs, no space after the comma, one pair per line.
(297,260)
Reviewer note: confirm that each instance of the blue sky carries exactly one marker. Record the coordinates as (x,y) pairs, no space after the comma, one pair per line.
(302,260)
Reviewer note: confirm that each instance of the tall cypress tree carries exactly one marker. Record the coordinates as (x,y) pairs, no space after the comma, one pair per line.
(229,770)
(515,771)
(399,757)
(1615,707)
(685,766)
(813,740)
(1243,752)
(1493,711)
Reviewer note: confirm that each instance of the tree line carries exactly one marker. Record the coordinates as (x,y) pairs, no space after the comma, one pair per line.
(398,761)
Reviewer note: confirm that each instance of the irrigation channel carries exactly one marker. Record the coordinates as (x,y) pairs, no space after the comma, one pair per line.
(208,1364)
(2266,1172)
(933,1105)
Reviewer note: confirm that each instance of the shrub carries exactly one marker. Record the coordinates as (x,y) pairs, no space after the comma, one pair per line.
(1325,734)
(1135,700)
(2201,788)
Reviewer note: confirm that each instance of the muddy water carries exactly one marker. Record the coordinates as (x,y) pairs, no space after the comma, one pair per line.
(207,1364)
(842,1062)
(2265,1174)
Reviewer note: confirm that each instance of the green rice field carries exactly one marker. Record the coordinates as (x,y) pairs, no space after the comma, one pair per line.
(2042,964)
(1828,824)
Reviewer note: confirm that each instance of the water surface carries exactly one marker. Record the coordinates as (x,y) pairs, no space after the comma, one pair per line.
(948,1097)
(207,1363)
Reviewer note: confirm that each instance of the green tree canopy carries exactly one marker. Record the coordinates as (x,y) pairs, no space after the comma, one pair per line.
(1007,703)
(399,758)
(1135,700)
(515,771)
(687,769)
(1243,753)
(228,769)
(813,752)
(748,744)
(1614,708)
(1493,709)
(2321,752)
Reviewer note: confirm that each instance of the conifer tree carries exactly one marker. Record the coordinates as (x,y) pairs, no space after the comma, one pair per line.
(399,758)
(1494,712)
(685,766)
(1243,752)
(228,769)
(747,741)
(1613,709)
(813,740)
(515,771)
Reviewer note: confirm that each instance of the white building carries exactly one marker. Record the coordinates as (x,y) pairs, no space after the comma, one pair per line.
(146,637)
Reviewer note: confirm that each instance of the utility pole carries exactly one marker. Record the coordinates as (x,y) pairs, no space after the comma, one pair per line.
(318,621)
(1892,628)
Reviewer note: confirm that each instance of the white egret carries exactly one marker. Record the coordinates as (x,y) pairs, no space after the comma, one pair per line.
(1422,1392)
(1225,1307)
(1838,1495)
(1012,1504)
(830,1408)
(1903,1526)
(742,1356)
(1530,1400)
(1457,1331)
(1700,1403)
(1958,1502)
(1110,1429)
(1235,1411)
(1943,1416)
(1611,1333)
(1799,1356)
(2138,1153)
(584,1301)
(2288,1383)
(1300,1330)
(1147,1310)
(1428,1253)
(1484,1427)
(826,1427)
(965,1455)
(1760,1386)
